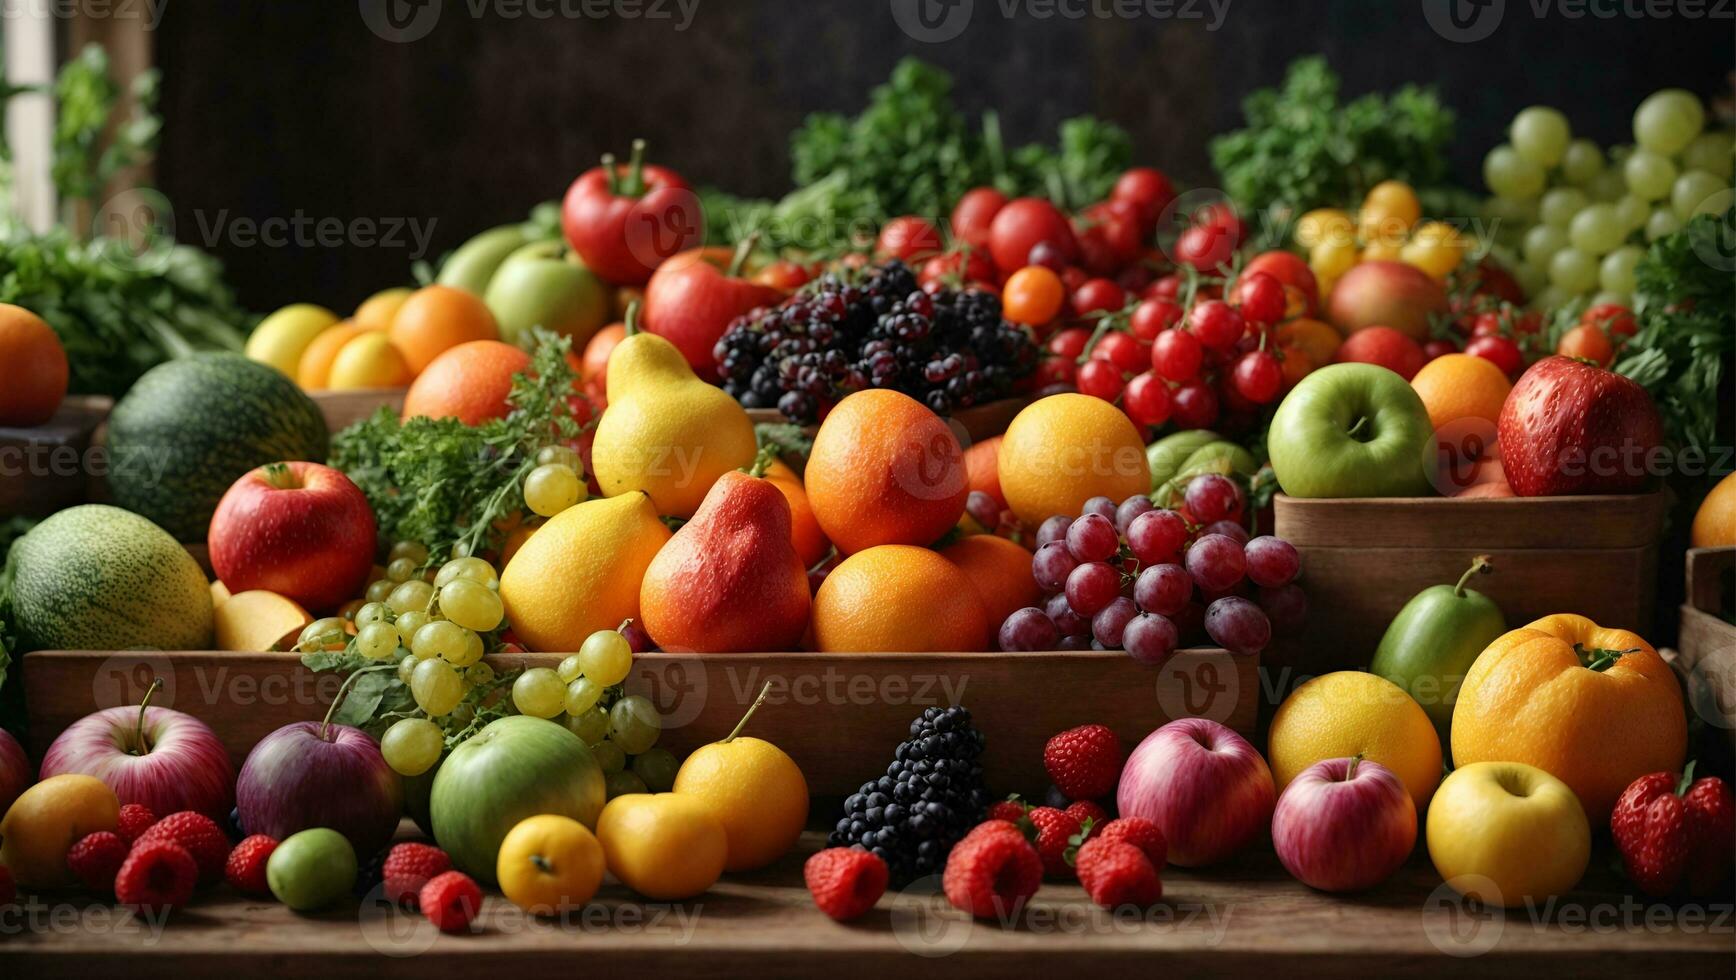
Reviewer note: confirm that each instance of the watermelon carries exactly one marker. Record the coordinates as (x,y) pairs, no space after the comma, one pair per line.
(191,427)
(97,577)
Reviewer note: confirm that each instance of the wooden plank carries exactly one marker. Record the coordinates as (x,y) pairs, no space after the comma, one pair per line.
(1243,918)
(1708,582)
(1595,521)
(839,716)
(342,408)
(51,467)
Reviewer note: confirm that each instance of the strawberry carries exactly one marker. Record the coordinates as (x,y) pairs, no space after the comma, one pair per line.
(845,881)
(411,866)
(1012,809)
(450,900)
(1670,829)
(1054,832)
(1116,874)
(96,859)
(1141,833)
(1084,810)
(135,819)
(245,869)
(992,871)
(199,835)
(157,875)
(1084,762)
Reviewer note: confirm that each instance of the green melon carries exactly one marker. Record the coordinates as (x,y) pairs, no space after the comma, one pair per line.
(191,427)
(100,578)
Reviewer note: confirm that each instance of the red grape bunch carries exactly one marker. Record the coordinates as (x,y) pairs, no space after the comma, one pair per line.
(1139,578)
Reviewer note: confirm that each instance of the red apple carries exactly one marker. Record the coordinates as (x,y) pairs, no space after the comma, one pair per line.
(1386,347)
(1344,825)
(301,530)
(1021,225)
(1570,427)
(692,298)
(317,774)
(14,770)
(165,759)
(1392,294)
(1203,785)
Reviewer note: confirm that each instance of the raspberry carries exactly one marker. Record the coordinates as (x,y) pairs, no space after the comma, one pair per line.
(96,859)
(199,835)
(135,819)
(1141,833)
(409,867)
(1084,762)
(450,900)
(245,869)
(158,875)
(992,871)
(1116,874)
(1012,809)
(1054,831)
(1084,810)
(845,881)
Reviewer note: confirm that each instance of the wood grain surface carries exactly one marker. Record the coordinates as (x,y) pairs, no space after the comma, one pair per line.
(839,716)
(48,467)
(1707,641)
(341,408)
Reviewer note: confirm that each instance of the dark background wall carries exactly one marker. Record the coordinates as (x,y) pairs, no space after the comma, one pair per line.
(275,110)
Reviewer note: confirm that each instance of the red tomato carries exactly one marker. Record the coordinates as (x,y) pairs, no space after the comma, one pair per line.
(1021,225)
(1146,187)
(1204,247)
(1176,354)
(974,213)
(965,266)
(1146,399)
(1222,216)
(1069,343)
(1500,351)
(909,238)
(1123,351)
(1165,287)
(1194,406)
(1100,379)
(783,274)
(1152,317)
(1289,269)
(1615,319)
(1260,297)
(1098,294)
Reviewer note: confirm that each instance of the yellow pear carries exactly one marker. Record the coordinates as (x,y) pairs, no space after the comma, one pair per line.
(665,431)
(580,572)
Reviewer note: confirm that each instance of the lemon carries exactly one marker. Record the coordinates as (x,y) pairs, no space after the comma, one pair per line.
(580,572)
(368,360)
(665,846)
(281,337)
(755,790)
(1351,712)
(1062,450)
(549,863)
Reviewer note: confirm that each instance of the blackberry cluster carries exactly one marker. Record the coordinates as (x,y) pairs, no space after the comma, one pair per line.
(932,795)
(947,348)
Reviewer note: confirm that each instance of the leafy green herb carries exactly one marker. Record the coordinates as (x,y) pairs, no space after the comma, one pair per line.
(86,152)
(455,487)
(1685,302)
(1302,149)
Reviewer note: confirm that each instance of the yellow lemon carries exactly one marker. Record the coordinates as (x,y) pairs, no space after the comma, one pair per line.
(580,572)
(665,846)
(377,311)
(1352,712)
(281,337)
(1062,450)
(754,789)
(368,360)
(549,863)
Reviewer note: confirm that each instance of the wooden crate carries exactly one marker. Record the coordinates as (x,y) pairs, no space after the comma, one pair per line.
(341,408)
(839,716)
(1706,645)
(1363,559)
(52,466)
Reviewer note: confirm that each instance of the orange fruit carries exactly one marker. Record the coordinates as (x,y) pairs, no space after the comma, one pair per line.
(470,382)
(1460,386)
(314,370)
(36,368)
(982,468)
(886,470)
(810,541)
(898,598)
(435,319)
(1000,570)
(595,364)
(368,360)
(1065,449)
(1715,521)
(379,310)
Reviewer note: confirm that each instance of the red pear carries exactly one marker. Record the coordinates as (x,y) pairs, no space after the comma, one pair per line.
(730,580)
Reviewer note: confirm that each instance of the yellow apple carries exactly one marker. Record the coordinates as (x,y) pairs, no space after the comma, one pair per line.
(1506,833)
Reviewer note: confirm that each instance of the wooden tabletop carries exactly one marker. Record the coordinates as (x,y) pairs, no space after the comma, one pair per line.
(1246,917)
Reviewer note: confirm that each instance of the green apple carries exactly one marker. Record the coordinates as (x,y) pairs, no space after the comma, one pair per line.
(517,767)
(311,869)
(473,264)
(1351,430)
(545,285)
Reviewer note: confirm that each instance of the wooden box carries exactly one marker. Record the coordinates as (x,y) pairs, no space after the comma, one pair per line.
(1363,559)
(54,465)
(1707,642)
(341,408)
(839,716)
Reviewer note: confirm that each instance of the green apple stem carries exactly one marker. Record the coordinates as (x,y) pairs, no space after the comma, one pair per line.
(1350,771)
(1480,565)
(767,689)
(142,745)
(635,185)
(1599,659)
(631,320)
(610,178)
(743,249)
(1687,778)
(1354,429)
(542,864)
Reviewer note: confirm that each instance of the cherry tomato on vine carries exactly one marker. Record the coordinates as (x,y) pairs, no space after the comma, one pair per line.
(1098,294)
(1261,298)
(1258,376)
(1152,317)
(909,238)
(1146,399)
(1216,323)
(1500,351)
(1032,295)
(1194,406)
(1100,379)
(1069,343)
(1176,355)
(1122,350)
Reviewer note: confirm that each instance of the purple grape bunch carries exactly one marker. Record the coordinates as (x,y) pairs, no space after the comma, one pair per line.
(1140,578)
